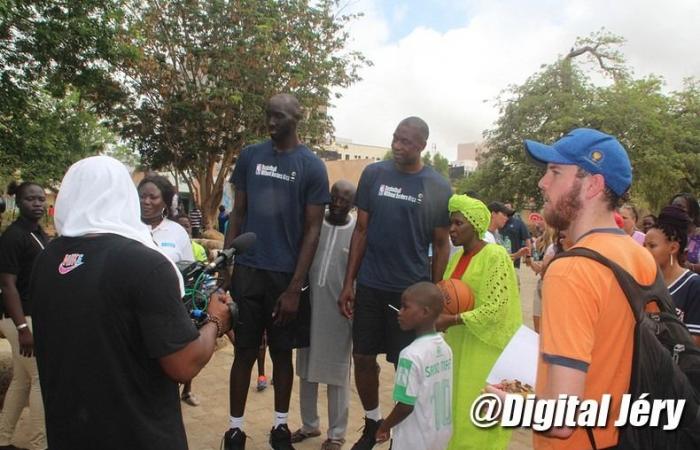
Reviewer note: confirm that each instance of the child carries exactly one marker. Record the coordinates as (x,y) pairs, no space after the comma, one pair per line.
(423,387)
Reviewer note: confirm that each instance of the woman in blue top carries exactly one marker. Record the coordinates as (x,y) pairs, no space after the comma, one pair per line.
(666,241)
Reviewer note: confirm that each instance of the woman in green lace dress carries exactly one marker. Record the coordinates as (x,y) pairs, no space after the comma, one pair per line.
(477,337)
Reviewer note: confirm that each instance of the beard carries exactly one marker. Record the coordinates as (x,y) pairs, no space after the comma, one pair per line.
(565,210)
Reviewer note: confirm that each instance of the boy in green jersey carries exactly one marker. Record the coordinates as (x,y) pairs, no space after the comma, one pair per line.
(422,416)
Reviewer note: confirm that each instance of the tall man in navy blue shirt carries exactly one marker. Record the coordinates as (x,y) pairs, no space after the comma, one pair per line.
(402,208)
(281,189)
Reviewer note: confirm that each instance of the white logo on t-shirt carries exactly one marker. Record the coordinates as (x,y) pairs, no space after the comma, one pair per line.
(265,170)
(395,192)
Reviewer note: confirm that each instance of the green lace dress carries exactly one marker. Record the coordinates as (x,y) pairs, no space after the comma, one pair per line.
(477,344)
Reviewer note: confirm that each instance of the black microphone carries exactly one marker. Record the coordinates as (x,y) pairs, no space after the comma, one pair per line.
(239,245)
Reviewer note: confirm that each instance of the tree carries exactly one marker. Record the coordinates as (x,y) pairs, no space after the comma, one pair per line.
(55,79)
(48,137)
(561,97)
(441,165)
(205,70)
(437,162)
(685,112)
(545,106)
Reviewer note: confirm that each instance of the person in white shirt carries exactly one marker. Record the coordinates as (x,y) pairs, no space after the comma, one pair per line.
(499,216)
(156,194)
(422,416)
(327,359)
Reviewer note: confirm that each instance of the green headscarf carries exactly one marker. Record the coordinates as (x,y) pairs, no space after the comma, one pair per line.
(474,210)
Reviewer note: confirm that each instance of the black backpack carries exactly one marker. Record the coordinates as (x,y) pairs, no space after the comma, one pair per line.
(665,361)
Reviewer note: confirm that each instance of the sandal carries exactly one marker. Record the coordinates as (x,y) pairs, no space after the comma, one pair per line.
(190,399)
(332,444)
(301,435)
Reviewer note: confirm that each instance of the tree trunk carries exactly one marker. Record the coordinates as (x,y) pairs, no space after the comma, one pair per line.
(211,184)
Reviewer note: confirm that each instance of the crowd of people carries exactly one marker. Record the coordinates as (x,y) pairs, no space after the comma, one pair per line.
(101,339)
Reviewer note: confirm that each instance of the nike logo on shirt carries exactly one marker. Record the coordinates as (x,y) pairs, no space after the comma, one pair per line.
(70,262)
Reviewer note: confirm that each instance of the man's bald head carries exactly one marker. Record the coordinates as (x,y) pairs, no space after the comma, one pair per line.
(342,199)
(419,125)
(345,187)
(288,103)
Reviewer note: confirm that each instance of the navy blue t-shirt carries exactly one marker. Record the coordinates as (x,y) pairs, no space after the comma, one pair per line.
(685,292)
(404,209)
(278,186)
(516,233)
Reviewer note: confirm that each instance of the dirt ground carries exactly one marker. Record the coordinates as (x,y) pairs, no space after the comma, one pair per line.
(206,423)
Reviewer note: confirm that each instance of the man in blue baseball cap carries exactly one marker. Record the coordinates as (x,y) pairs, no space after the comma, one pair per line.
(586,152)
(587,327)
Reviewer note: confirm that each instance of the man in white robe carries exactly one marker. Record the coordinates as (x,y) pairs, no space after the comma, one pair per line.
(327,359)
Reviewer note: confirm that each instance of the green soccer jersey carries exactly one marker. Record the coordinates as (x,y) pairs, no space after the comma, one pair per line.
(424,380)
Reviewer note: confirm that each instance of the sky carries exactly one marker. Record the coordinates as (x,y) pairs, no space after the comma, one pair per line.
(447,60)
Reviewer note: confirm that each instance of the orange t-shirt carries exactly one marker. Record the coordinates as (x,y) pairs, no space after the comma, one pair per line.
(587,324)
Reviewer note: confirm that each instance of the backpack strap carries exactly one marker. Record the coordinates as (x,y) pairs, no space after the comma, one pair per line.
(591,439)
(638,296)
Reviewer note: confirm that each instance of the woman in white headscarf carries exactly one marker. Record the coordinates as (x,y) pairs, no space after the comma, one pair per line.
(112,335)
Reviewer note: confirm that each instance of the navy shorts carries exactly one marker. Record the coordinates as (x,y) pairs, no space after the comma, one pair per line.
(375,328)
(256,292)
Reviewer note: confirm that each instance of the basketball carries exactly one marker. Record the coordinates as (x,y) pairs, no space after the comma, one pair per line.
(457,296)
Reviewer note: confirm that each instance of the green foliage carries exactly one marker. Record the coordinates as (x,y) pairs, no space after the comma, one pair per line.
(49,136)
(441,165)
(54,76)
(60,46)
(660,132)
(437,162)
(205,69)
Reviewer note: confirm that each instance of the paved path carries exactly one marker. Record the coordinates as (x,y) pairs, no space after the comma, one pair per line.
(206,423)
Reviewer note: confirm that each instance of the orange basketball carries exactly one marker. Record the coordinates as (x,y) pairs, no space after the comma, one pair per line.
(457,296)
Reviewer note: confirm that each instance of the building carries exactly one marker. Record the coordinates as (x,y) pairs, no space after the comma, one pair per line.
(467,160)
(349,151)
(345,160)
(467,151)
(468,157)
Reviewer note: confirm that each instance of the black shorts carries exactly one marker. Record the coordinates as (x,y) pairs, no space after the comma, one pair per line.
(375,328)
(256,292)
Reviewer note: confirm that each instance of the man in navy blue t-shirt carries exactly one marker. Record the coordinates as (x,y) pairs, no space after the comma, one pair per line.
(281,189)
(402,209)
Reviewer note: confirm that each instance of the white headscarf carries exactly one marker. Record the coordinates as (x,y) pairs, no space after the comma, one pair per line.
(98,196)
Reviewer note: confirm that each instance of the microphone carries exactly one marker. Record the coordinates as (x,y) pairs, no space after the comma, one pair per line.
(239,245)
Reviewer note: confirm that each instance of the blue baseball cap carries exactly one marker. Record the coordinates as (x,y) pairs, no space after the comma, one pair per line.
(591,150)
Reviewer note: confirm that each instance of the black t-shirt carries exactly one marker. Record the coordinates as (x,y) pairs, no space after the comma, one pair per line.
(19,246)
(105,309)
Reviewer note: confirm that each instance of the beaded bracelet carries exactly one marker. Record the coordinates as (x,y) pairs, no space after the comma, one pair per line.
(216,321)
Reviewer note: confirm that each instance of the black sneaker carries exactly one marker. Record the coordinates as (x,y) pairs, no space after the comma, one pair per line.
(368,439)
(234,439)
(281,438)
